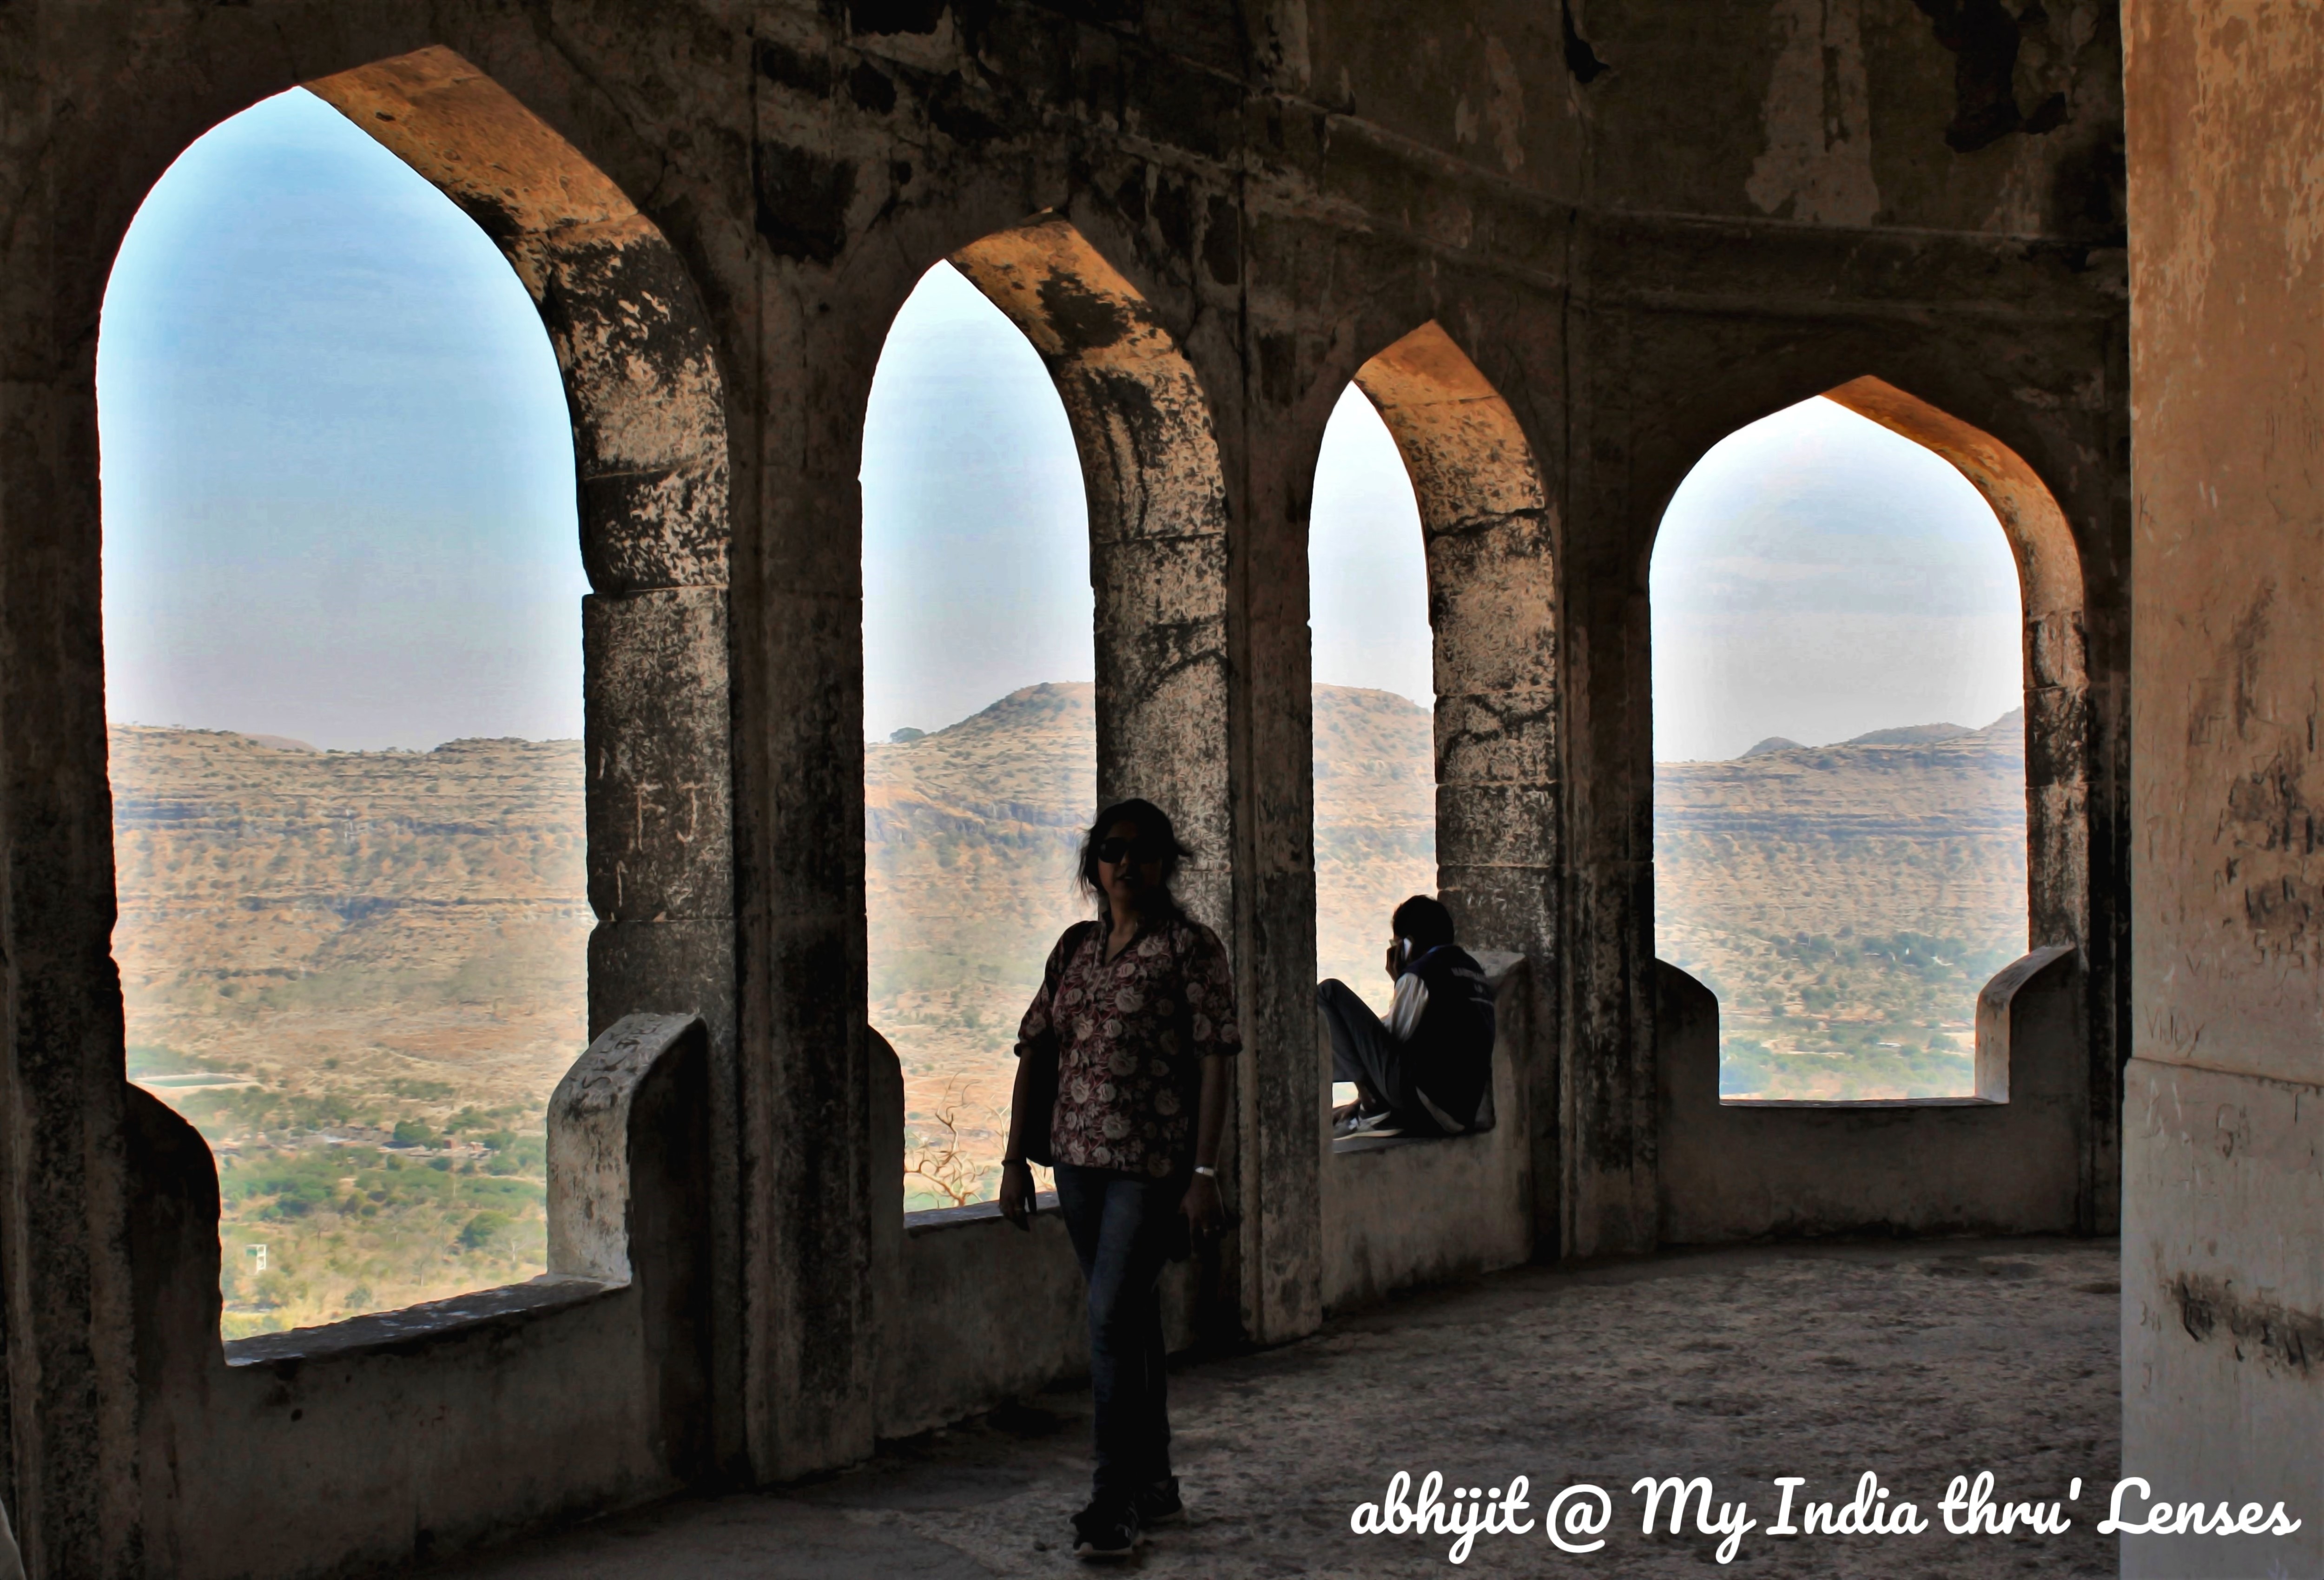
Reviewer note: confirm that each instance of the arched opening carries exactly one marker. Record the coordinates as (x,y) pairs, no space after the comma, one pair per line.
(1099,511)
(979,707)
(1884,602)
(342,611)
(1149,499)
(1375,757)
(1482,1191)
(1158,526)
(1491,534)
(407,907)
(1444,463)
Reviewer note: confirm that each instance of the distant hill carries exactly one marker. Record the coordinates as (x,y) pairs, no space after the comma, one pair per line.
(396,908)
(1906,735)
(1965,783)
(969,839)
(1847,903)
(1028,762)
(328,956)
(1909,735)
(1374,827)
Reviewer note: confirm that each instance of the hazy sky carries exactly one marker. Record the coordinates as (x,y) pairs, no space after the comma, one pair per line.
(1818,576)
(338,498)
(338,473)
(1367,573)
(975,537)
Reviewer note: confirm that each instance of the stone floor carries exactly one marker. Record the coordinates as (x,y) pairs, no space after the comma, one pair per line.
(1916,1362)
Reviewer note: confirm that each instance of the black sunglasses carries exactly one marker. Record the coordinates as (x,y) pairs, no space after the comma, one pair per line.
(1113,850)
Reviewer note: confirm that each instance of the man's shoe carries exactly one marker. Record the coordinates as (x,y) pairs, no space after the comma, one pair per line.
(1158,1503)
(1374,1124)
(1107,1529)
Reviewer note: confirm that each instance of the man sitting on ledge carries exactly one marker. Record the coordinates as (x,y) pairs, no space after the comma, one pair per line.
(1424,1072)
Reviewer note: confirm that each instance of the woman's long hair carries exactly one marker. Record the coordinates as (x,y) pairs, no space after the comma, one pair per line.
(1154,830)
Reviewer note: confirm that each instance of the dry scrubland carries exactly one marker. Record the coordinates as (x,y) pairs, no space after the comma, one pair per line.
(362,973)
(970,835)
(1375,828)
(1847,903)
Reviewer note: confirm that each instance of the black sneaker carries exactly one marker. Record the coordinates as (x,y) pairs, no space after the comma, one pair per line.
(1383,1124)
(1108,1530)
(1158,1503)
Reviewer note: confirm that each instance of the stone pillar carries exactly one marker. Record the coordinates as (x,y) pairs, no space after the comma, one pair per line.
(2223,1195)
(1492,533)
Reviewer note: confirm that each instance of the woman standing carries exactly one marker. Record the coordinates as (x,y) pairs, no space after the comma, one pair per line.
(1136,1008)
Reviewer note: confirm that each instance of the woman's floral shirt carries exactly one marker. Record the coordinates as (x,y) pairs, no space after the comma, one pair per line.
(1131,1033)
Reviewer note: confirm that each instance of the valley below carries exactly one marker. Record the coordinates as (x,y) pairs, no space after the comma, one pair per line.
(360,974)
(1847,903)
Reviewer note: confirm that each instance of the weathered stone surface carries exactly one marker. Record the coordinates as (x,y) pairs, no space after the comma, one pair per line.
(1564,249)
(658,771)
(589,1119)
(2223,1162)
(370,1444)
(1736,1170)
(1918,1362)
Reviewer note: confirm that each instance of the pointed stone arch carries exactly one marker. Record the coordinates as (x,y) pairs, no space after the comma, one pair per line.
(1490,528)
(646,400)
(2032,1151)
(1158,522)
(2056,666)
(1158,526)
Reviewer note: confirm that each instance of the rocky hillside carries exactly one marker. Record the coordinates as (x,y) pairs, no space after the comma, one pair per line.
(1374,827)
(360,974)
(970,834)
(1847,902)
(403,909)
(319,947)
(421,912)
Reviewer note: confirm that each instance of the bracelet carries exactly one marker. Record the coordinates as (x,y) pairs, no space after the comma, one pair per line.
(1207,1171)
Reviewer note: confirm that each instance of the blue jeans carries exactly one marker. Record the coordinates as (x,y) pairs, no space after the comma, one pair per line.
(1121,1228)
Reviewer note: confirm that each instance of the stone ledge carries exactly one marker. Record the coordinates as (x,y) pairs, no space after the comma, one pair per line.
(937,1218)
(387,1330)
(589,1203)
(1346,1144)
(1861,1103)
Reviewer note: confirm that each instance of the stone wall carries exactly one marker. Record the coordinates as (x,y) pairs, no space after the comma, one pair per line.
(370,1443)
(2018,1163)
(2222,1198)
(1567,248)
